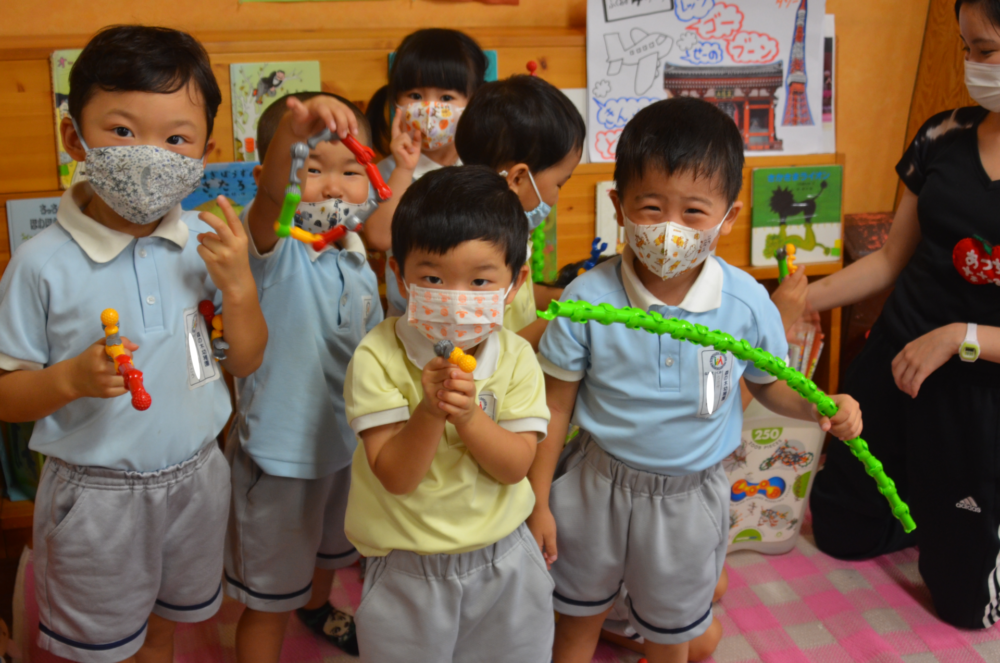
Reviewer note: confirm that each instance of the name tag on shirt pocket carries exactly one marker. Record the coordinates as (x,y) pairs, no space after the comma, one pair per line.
(201,365)
(488,404)
(715,371)
(366,304)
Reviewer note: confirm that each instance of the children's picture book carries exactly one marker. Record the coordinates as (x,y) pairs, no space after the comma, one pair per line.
(799,206)
(232,180)
(606,222)
(62,62)
(257,85)
(26,217)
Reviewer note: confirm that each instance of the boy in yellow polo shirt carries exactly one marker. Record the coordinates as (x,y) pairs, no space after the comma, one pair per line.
(438,495)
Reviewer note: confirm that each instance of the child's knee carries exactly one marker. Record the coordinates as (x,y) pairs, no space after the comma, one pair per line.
(704,645)
(721,586)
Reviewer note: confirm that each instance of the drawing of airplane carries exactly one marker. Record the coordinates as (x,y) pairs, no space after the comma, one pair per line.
(645,53)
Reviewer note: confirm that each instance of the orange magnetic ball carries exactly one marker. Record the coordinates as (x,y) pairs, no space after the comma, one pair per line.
(109,316)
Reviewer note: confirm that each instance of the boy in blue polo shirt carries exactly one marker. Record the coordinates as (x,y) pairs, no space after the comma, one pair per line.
(291,445)
(131,509)
(641,498)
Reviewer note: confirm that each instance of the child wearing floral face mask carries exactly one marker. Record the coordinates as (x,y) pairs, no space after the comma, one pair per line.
(439,496)
(414,118)
(131,509)
(642,499)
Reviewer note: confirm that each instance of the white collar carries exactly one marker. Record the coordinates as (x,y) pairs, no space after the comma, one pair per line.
(351,242)
(426,165)
(420,350)
(705,293)
(100,243)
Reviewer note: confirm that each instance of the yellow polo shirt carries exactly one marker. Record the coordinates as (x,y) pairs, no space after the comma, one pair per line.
(458,506)
(522,311)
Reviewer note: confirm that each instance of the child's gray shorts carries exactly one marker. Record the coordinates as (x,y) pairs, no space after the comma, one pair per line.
(281,530)
(492,605)
(112,546)
(665,537)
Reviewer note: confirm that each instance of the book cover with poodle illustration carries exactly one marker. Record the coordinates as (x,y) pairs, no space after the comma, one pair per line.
(800,206)
(255,86)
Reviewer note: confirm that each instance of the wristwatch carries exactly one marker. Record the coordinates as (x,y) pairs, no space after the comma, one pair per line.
(969,350)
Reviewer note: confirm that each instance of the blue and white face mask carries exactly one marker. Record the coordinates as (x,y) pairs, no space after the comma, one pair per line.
(141,182)
(540,213)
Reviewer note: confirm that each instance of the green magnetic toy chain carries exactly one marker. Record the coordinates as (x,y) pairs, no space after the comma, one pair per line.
(538,254)
(683,330)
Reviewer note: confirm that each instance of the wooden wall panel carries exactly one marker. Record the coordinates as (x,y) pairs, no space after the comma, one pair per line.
(940,83)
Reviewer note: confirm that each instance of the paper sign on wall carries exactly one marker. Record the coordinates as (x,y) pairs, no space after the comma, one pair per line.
(759,61)
(26,217)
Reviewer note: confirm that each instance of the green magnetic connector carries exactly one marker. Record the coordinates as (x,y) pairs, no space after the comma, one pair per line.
(700,335)
(538,255)
(293,196)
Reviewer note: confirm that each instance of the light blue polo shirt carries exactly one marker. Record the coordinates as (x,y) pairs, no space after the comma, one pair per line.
(656,403)
(51,298)
(393,297)
(318,307)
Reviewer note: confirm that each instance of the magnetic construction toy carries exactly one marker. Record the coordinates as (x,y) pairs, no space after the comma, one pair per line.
(141,399)
(285,227)
(596,249)
(538,254)
(683,330)
(214,322)
(455,355)
(786,261)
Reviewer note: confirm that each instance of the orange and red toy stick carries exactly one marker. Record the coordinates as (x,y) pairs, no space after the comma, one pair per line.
(141,399)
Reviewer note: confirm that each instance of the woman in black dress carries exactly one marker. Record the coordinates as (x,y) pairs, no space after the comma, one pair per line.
(928,378)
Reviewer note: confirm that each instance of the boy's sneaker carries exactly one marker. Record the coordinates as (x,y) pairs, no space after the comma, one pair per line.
(336,626)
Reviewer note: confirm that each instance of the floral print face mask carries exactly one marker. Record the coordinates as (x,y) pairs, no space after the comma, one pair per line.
(464,317)
(669,249)
(141,182)
(435,120)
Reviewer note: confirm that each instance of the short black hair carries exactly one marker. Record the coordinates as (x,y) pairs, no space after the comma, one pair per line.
(434,57)
(522,119)
(990,7)
(139,58)
(269,120)
(682,134)
(450,206)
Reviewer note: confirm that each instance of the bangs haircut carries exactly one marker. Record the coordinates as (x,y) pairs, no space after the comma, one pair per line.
(138,58)
(437,57)
(678,135)
(434,57)
(991,8)
(268,123)
(450,206)
(522,119)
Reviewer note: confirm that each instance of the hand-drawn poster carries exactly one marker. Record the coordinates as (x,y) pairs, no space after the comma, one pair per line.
(799,206)
(255,87)
(760,61)
(62,62)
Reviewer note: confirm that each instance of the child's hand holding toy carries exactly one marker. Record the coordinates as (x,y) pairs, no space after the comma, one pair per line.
(309,117)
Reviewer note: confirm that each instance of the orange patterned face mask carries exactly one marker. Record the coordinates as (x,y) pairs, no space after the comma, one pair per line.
(464,317)
(435,120)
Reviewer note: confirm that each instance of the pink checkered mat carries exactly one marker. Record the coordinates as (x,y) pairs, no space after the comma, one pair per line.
(801,607)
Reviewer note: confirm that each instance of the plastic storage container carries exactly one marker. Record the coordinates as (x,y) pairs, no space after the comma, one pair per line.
(770,475)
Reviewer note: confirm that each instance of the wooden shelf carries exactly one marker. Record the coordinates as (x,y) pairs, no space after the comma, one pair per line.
(813,269)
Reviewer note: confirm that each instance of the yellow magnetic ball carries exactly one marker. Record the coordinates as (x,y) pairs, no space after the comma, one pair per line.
(217,322)
(109,316)
(465,362)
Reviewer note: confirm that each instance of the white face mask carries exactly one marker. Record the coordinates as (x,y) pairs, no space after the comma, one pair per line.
(141,182)
(669,249)
(983,83)
(464,317)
